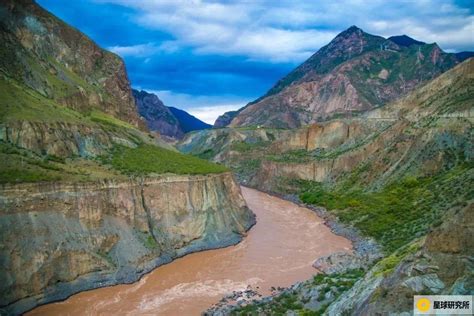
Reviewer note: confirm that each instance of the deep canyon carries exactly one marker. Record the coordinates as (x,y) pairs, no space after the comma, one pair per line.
(113,203)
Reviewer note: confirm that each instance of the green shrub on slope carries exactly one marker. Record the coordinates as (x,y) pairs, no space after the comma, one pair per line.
(401,211)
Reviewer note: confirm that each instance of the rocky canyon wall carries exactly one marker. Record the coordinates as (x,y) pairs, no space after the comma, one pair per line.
(61,238)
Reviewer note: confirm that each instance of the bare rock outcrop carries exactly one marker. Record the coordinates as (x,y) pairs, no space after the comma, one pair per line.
(439,264)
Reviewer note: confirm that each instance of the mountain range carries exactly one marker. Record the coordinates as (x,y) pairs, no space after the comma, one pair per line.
(355,72)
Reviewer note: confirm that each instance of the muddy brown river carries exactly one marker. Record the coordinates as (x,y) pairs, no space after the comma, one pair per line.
(278,251)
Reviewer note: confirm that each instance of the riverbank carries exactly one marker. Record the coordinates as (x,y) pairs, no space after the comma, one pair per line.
(339,267)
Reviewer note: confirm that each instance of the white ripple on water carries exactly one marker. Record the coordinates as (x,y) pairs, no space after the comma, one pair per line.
(195,289)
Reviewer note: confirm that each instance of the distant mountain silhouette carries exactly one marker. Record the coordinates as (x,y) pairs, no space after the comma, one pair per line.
(188,122)
(404,40)
(168,121)
(464,55)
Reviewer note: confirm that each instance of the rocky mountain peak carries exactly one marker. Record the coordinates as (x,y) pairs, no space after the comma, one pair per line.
(351,30)
(348,43)
(151,97)
(353,40)
(355,72)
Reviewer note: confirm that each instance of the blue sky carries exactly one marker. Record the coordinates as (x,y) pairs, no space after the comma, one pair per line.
(208,57)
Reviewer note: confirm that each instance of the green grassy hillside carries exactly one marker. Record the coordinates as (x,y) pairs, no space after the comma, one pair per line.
(125,149)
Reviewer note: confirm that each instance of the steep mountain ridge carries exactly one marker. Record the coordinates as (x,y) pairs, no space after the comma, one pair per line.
(187,121)
(225,119)
(157,116)
(62,64)
(355,72)
(404,40)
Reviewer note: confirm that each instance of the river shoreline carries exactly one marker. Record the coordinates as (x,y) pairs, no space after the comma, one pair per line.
(363,246)
(139,275)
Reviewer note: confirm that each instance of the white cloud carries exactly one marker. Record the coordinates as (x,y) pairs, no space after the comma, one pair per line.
(204,107)
(141,50)
(288,31)
(144,50)
(273,44)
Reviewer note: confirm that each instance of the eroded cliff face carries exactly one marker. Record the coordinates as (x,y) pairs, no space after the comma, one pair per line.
(220,144)
(62,238)
(330,149)
(242,150)
(394,153)
(64,139)
(330,135)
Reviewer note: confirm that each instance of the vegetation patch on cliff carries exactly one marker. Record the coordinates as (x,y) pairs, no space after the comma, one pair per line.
(21,103)
(388,264)
(21,166)
(148,159)
(102,118)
